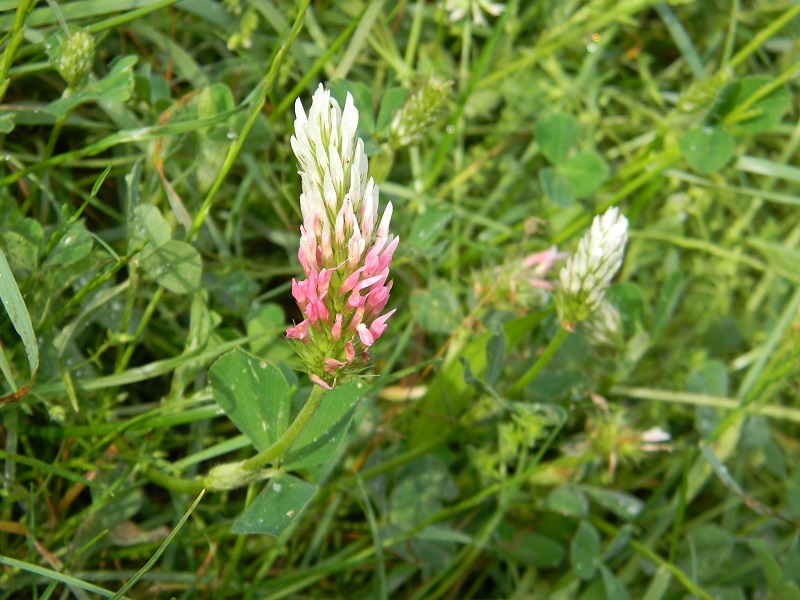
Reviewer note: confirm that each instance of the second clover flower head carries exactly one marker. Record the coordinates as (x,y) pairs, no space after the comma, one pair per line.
(344,250)
(584,280)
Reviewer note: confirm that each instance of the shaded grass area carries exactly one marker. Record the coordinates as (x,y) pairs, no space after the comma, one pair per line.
(150,220)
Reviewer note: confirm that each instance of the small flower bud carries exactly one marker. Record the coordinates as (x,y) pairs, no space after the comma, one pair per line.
(72,55)
(422,109)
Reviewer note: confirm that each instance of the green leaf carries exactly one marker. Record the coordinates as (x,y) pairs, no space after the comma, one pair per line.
(671,294)
(98,184)
(495,355)
(557,134)
(585,173)
(556,187)
(712,546)
(277,507)
(74,245)
(199,324)
(148,223)
(23,244)
(448,395)
(436,309)
(7,121)
(788,590)
(568,500)
(707,149)
(254,395)
(585,551)
(791,565)
(232,289)
(625,506)
(428,226)
(326,431)
(18,313)
(629,300)
(470,379)
(174,265)
(613,586)
(418,492)
(658,585)
(619,543)
(393,100)
(266,323)
(772,569)
(540,551)
(763,114)
(117,86)
(213,100)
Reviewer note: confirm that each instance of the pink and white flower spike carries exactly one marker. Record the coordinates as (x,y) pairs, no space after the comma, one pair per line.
(344,251)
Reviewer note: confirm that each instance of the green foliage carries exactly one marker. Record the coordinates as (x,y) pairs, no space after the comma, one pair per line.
(254,394)
(707,149)
(576,174)
(114,87)
(149,205)
(277,507)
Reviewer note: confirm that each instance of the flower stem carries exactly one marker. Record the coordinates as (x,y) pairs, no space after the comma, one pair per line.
(232,475)
(541,362)
(281,447)
(172,482)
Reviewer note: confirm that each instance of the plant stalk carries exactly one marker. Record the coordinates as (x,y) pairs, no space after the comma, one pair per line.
(281,447)
(541,362)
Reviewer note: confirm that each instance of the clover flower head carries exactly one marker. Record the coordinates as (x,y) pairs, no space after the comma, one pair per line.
(519,284)
(584,280)
(344,250)
(459,9)
(72,55)
(421,111)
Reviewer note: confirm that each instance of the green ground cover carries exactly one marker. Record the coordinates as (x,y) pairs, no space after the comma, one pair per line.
(508,438)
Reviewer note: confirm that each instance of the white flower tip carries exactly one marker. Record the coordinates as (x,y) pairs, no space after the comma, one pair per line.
(656,435)
(299,113)
(383,227)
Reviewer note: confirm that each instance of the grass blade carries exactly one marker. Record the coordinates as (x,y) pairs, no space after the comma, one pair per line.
(18,313)
(149,565)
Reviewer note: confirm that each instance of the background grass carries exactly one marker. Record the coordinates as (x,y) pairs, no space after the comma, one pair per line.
(451,484)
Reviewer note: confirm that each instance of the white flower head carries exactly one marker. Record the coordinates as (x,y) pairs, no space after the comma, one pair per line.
(585,278)
(459,9)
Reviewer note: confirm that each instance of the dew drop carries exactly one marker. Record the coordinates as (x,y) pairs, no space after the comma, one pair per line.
(277,487)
